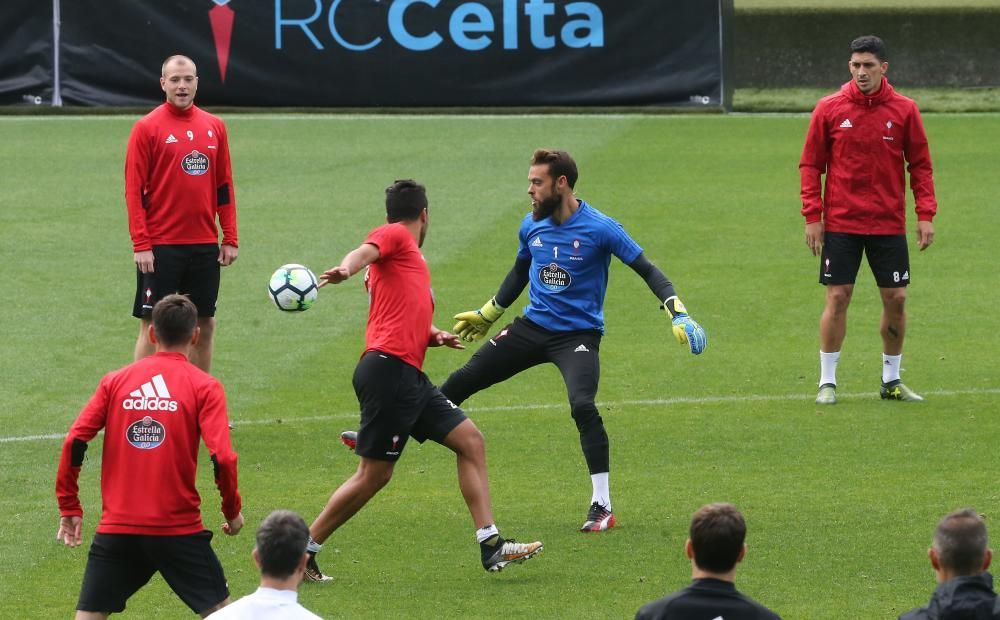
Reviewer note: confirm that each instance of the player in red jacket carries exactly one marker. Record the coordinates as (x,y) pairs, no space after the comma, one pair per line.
(178,180)
(154,413)
(864,138)
(397,399)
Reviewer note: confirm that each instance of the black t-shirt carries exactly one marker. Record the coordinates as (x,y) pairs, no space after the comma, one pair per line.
(706,599)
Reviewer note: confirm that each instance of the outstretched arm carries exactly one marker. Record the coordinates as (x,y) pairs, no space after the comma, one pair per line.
(475,324)
(655,279)
(353,262)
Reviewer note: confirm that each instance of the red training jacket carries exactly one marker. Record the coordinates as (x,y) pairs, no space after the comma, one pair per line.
(177,178)
(401,304)
(154,413)
(860,143)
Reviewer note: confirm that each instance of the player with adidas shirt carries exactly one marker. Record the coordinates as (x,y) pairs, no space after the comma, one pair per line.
(864,138)
(397,399)
(563,258)
(154,412)
(178,181)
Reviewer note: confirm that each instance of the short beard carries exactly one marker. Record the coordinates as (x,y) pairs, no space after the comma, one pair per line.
(546,207)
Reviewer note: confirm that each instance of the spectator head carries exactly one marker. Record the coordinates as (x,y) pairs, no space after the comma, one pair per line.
(717,535)
(960,546)
(281,544)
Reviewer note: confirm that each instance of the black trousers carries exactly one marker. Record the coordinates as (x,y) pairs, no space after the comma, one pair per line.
(522,345)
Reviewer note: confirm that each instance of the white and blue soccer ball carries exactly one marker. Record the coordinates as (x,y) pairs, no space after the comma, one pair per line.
(293,288)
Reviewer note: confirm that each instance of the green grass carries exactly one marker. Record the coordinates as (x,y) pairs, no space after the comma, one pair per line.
(943,100)
(841,501)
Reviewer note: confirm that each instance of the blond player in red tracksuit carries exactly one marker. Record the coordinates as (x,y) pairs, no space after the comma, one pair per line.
(178,181)
(863,139)
(154,413)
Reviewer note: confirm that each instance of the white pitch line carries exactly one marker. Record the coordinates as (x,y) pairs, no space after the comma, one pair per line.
(679,400)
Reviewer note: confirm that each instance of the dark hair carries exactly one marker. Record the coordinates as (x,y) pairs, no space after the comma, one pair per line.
(872,44)
(560,164)
(281,540)
(960,540)
(174,320)
(405,199)
(717,535)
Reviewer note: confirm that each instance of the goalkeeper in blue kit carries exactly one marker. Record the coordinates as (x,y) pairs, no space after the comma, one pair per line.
(565,251)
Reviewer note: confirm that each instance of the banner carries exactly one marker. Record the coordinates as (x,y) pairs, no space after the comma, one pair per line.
(26,53)
(401,53)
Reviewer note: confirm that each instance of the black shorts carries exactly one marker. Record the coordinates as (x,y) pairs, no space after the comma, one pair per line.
(119,564)
(524,344)
(888,257)
(191,270)
(398,401)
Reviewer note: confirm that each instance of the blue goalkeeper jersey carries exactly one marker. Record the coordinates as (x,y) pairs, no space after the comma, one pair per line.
(569,267)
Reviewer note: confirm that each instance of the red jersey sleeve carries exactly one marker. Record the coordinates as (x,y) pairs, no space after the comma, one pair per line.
(137,162)
(214,424)
(87,424)
(387,239)
(226,201)
(918,158)
(812,165)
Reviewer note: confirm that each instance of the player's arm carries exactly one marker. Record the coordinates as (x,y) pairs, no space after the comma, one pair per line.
(812,166)
(137,163)
(353,262)
(213,421)
(475,324)
(918,160)
(88,423)
(225,200)
(685,329)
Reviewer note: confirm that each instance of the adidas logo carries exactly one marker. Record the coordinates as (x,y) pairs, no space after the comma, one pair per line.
(581,349)
(152,395)
(846,124)
(537,242)
(170,139)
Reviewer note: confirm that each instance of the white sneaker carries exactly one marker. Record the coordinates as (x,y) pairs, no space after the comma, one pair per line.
(827,394)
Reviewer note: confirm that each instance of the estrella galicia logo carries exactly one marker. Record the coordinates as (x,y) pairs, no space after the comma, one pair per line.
(195,163)
(146,434)
(554,277)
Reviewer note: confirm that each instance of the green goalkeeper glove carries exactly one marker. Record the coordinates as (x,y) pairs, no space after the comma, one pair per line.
(475,324)
(685,329)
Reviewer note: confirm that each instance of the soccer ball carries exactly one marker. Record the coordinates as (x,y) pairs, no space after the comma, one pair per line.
(293,288)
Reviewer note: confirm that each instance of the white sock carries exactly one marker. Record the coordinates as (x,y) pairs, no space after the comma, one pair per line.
(312,546)
(828,367)
(890,367)
(601,493)
(485,533)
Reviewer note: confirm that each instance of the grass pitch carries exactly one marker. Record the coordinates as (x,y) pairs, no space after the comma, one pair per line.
(840,501)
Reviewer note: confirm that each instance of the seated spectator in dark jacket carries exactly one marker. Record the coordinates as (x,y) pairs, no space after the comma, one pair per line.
(960,557)
(714,547)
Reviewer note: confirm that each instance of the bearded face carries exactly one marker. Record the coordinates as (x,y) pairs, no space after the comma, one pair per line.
(545,197)
(541,209)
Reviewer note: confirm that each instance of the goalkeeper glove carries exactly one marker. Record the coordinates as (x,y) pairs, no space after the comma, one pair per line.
(685,329)
(475,324)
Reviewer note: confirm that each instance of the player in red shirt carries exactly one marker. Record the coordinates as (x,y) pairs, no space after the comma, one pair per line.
(178,180)
(397,399)
(863,138)
(154,413)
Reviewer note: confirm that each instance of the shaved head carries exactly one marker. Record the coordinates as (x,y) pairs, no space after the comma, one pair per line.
(180,61)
